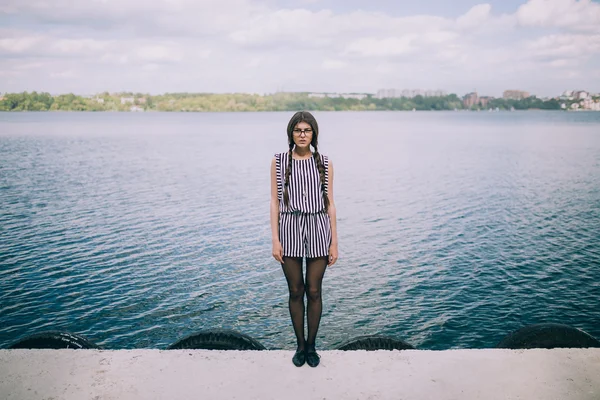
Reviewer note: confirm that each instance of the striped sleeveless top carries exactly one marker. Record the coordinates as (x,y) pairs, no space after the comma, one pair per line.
(304,185)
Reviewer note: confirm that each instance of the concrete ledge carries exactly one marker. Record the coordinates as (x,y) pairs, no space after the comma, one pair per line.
(204,374)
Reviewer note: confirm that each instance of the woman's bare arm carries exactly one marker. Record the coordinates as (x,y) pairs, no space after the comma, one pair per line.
(333,249)
(277,249)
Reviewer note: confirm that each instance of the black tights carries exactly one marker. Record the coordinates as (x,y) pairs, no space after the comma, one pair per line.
(315,269)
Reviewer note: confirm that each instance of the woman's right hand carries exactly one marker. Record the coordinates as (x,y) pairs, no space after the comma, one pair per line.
(278,251)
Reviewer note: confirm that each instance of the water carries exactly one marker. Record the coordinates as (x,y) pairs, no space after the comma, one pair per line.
(455,228)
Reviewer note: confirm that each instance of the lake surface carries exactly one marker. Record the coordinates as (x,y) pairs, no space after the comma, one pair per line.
(455,228)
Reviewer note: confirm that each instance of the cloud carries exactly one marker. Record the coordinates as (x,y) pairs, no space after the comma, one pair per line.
(76,46)
(333,64)
(292,27)
(564,46)
(38,45)
(563,63)
(30,65)
(300,28)
(160,53)
(137,17)
(583,15)
(244,45)
(475,17)
(19,45)
(151,67)
(63,74)
(373,47)
(109,51)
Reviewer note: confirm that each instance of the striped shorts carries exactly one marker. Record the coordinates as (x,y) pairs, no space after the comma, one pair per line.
(305,235)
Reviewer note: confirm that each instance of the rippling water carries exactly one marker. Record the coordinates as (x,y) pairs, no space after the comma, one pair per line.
(455,229)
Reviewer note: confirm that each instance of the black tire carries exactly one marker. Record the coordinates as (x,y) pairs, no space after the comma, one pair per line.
(53,340)
(548,336)
(375,342)
(217,339)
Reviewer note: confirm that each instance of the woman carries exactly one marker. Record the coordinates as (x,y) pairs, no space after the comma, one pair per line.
(303,226)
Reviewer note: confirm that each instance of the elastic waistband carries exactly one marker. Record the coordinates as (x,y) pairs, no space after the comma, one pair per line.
(302,213)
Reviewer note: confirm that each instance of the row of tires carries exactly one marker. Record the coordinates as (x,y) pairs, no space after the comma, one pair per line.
(546,336)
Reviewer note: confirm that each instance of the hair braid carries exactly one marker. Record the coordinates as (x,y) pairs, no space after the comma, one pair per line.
(286,196)
(321,168)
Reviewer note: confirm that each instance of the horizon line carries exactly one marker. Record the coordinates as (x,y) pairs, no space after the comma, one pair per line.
(277,92)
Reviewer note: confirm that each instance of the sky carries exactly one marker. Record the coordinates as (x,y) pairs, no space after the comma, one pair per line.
(263,46)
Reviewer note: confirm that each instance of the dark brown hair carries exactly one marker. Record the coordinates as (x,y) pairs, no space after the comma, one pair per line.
(304,116)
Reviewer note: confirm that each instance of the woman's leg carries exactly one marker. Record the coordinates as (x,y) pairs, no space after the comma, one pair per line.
(292,268)
(315,269)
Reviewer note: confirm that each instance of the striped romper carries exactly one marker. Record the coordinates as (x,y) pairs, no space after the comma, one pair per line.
(304,226)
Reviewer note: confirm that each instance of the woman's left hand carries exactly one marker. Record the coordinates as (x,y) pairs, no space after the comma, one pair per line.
(333,254)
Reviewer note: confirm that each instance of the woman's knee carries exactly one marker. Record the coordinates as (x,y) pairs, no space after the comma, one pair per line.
(313,293)
(297,292)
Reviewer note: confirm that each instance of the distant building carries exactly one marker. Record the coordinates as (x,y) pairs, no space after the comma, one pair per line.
(408,93)
(125,100)
(470,99)
(484,100)
(566,96)
(435,93)
(473,99)
(141,100)
(515,95)
(581,95)
(99,100)
(357,96)
(587,103)
(136,109)
(387,93)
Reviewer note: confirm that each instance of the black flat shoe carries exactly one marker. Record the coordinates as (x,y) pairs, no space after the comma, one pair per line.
(312,358)
(299,358)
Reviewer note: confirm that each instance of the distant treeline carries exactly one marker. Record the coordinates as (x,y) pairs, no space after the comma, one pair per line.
(246,102)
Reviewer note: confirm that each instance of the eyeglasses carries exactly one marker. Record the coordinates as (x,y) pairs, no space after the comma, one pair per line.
(307,132)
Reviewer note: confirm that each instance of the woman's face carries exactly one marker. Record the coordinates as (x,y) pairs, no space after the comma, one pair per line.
(303,134)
